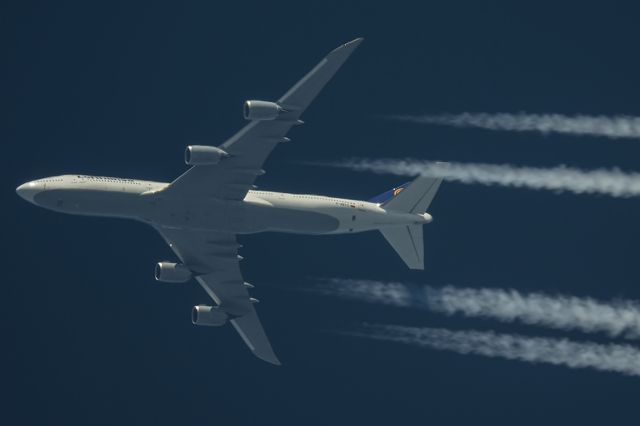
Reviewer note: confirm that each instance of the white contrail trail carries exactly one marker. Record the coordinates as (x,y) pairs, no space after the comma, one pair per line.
(623,359)
(611,182)
(616,127)
(618,318)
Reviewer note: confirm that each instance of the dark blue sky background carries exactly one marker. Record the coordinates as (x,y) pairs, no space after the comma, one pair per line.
(119,88)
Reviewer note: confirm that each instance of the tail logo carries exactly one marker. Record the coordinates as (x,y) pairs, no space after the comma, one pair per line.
(397,191)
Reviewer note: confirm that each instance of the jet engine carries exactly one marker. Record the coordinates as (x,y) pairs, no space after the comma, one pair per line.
(199,155)
(212,316)
(261,110)
(172,272)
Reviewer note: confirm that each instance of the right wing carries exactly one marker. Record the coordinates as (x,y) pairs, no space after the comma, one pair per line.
(249,148)
(213,256)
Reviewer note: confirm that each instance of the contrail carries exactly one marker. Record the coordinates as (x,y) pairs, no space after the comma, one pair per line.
(623,359)
(611,182)
(615,127)
(619,318)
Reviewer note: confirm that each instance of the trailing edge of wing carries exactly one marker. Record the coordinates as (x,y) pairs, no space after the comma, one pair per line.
(305,90)
(251,331)
(224,284)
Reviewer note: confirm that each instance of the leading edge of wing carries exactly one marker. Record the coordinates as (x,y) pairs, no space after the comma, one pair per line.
(250,147)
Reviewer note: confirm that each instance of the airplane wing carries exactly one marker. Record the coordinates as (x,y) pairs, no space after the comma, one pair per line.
(249,148)
(213,256)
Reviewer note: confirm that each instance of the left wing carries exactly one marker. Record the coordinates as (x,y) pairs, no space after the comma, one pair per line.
(250,147)
(213,257)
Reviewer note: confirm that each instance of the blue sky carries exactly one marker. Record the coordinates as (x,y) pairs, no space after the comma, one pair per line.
(118,89)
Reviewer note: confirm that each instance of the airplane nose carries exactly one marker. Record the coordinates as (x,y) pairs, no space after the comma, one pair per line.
(28,190)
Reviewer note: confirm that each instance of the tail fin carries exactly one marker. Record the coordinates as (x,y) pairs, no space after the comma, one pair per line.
(413,197)
(388,195)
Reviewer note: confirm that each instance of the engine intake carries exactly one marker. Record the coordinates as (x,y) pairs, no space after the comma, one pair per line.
(199,155)
(212,316)
(261,110)
(169,272)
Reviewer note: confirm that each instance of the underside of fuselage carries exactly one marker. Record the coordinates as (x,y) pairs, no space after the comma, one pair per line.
(145,201)
(259,211)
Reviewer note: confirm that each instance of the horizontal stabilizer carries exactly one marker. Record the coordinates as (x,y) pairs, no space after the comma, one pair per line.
(408,243)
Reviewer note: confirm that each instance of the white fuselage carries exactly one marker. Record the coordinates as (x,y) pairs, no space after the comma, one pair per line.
(260,211)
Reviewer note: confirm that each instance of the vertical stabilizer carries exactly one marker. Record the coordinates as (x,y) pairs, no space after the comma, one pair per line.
(414,197)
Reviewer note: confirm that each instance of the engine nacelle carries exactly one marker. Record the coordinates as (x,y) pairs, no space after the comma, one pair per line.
(169,272)
(212,316)
(261,110)
(199,155)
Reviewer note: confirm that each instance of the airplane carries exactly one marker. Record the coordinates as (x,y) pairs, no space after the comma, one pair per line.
(201,212)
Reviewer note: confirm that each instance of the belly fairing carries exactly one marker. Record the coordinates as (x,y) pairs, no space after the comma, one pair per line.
(293,221)
(240,217)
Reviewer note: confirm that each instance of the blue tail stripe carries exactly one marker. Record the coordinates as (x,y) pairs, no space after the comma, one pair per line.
(386,196)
